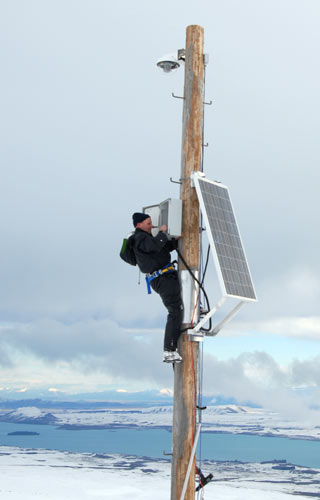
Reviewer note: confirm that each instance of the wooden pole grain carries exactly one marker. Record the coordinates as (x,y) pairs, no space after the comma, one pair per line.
(185,374)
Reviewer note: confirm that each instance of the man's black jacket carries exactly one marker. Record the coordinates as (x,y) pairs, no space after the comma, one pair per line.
(152,252)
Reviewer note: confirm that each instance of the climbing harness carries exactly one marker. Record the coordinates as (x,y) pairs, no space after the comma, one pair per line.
(169,268)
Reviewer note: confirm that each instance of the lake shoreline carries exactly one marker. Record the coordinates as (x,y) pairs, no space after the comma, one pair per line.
(83,427)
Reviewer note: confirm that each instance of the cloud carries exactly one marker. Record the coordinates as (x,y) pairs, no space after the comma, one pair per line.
(93,346)
(134,359)
(306,328)
(5,359)
(294,291)
(82,150)
(258,378)
(287,306)
(305,373)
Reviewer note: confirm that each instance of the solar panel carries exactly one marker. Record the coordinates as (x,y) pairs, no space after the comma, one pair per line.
(224,239)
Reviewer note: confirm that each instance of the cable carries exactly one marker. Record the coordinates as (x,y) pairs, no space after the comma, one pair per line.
(198,390)
(206,265)
(202,282)
(200,285)
(202,480)
(203,271)
(203,105)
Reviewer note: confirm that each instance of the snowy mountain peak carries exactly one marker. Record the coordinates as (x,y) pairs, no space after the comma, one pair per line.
(29,415)
(226,409)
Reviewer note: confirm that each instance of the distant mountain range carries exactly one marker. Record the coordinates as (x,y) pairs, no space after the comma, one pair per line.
(234,419)
(102,418)
(112,399)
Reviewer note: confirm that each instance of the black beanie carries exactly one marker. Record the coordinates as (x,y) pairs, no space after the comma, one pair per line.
(139,217)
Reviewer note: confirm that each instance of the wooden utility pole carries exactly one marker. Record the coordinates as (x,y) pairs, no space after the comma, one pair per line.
(185,374)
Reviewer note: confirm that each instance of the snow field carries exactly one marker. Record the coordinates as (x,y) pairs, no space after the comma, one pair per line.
(27,474)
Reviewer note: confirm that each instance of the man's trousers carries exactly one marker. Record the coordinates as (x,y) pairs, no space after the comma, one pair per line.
(168,287)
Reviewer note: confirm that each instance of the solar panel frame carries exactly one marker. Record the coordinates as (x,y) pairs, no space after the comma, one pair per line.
(224,238)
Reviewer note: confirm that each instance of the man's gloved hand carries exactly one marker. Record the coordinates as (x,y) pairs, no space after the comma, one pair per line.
(174,242)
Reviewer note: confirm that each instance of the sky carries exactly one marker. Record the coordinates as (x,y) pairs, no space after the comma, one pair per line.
(90,134)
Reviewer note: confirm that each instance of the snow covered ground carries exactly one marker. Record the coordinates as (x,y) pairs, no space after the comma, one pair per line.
(51,475)
(225,418)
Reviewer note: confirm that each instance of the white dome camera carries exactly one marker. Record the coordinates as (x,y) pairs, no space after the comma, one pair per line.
(171,62)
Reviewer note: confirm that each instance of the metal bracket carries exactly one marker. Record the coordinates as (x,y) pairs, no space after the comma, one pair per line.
(226,319)
(195,336)
(203,321)
(180,180)
(166,454)
(179,97)
(196,173)
(181,54)
(176,96)
(175,182)
(197,330)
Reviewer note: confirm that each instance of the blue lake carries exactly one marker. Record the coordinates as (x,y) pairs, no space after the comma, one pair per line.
(152,443)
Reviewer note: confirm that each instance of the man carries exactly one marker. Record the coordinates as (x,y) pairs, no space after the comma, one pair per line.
(153,258)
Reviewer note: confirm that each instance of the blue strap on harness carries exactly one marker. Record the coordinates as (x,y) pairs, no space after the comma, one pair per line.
(169,268)
(148,280)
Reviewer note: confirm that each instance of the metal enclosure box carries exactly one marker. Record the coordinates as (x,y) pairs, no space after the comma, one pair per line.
(169,213)
(171,216)
(154,212)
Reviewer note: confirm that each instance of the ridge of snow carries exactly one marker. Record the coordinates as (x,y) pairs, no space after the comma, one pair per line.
(29,414)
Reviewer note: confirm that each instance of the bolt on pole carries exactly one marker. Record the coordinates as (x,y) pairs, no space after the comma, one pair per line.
(185,374)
